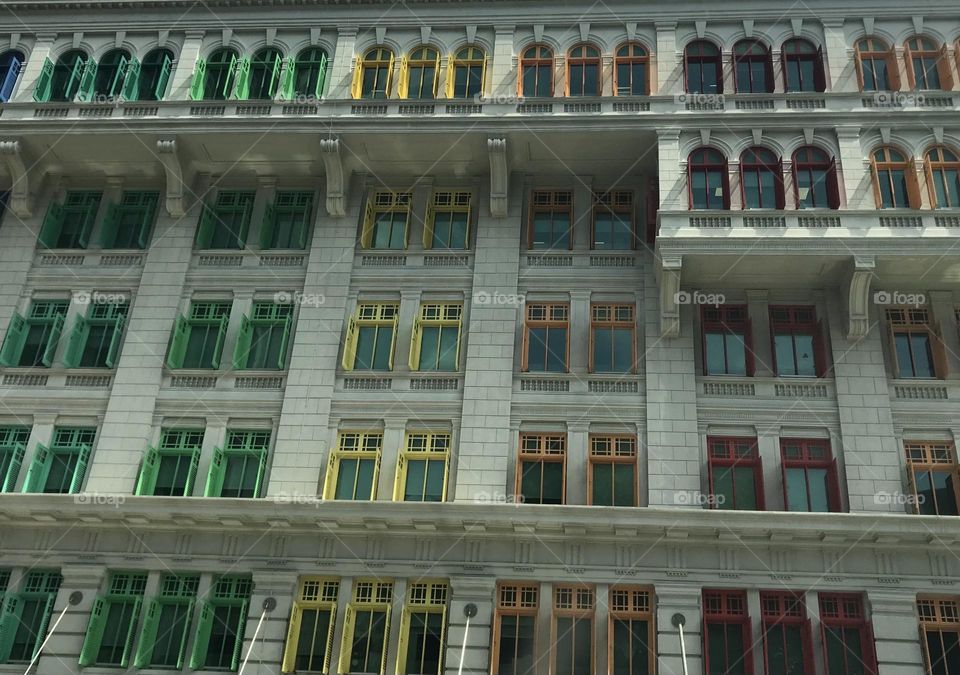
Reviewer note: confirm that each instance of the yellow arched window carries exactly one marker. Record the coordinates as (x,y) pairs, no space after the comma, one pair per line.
(373,75)
(466,73)
(419,73)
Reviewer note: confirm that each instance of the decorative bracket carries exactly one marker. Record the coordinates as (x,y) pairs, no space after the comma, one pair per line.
(19,201)
(670,268)
(336,188)
(497,148)
(170,158)
(858,305)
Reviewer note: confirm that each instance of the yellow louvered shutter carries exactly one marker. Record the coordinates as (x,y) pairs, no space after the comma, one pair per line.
(348,620)
(356,84)
(450,76)
(404,640)
(350,345)
(293,633)
(404,81)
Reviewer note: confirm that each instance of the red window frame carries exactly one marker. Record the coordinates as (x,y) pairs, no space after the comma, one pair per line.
(727,319)
(786,608)
(710,55)
(812,454)
(727,607)
(708,159)
(792,51)
(799,320)
(735,452)
(845,610)
(812,158)
(758,160)
(745,51)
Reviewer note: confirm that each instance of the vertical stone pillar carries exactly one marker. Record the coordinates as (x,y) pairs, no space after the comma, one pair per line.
(669,71)
(63,648)
(341,70)
(182,76)
(894,617)
(838,67)
(685,600)
(34,65)
(469,641)
(856,191)
(758,309)
(673,186)
(503,74)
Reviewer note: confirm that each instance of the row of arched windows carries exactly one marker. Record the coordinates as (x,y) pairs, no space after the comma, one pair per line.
(263,76)
(75,75)
(419,76)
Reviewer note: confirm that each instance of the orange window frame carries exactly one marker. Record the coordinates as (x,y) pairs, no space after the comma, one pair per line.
(552,202)
(632,603)
(916,320)
(629,59)
(935,161)
(537,56)
(584,55)
(613,449)
(576,602)
(614,315)
(932,457)
(877,50)
(937,614)
(513,599)
(542,448)
(545,315)
(888,162)
(620,204)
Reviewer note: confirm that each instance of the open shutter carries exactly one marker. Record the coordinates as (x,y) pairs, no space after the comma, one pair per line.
(404,639)
(833,185)
(261,471)
(944,71)
(162,78)
(39,470)
(199,76)
(13,342)
(83,459)
(779,186)
(8,481)
(893,69)
(52,340)
(87,80)
(289,663)
(184,636)
(819,72)
(287,80)
(366,232)
(349,619)
(436,77)
(749,359)
(89,217)
(389,87)
(109,226)
(116,84)
(415,341)
(94,635)
(11,609)
(399,485)
(908,62)
(41,634)
(147,481)
(205,227)
(146,221)
(914,504)
(403,85)
(328,652)
(393,344)
(451,76)
(275,75)
(10,81)
(726,187)
(858,63)
(178,343)
(356,82)
(483,76)
(241,352)
(131,633)
(148,635)
(284,342)
(131,83)
(869,648)
(820,350)
(199,655)
(913,185)
(376,478)
(241,79)
(218,347)
(833,487)
(41,92)
(241,629)
(330,477)
(50,230)
(321,76)
(875,179)
(116,339)
(428,223)
(349,345)
(218,466)
(796,185)
(76,342)
(930,183)
(939,349)
(267,226)
(386,639)
(304,227)
(747,647)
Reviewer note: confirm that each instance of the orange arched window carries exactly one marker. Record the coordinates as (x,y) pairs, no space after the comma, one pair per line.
(536,71)
(894,179)
(942,166)
(631,70)
(928,66)
(752,68)
(876,63)
(583,71)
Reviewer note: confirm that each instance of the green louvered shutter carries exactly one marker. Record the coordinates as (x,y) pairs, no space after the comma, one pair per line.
(148,635)
(241,90)
(109,226)
(199,76)
(13,342)
(52,340)
(192,473)
(131,82)
(218,347)
(163,78)
(44,623)
(241,630)
(8,481)
(178,343)
(218,467)
(131,633)
(41,92)
(89,217)
(76,74)
(52,223)
(322,76)
(185,635)
(94,636)
(85,92)
(267,226)
(11,608)
(116,339)
(284,342)
(147,481)
(83,459)
(244,339)
(288,79)
(76,342)
(199,655)
(39,470)
(205,227)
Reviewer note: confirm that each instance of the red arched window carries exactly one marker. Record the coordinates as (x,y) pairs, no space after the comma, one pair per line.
(761,179)
(702,68)
(630,70)
(943,177)
(815,179)
(803,66)
(583,71)
(877,68)
(536,71)
(708,184)
(894,180)
(752,68)
(928,66)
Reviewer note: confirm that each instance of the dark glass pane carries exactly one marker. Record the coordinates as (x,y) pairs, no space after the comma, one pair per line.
(346,479)
(565,646)
(416,474)
(537,349)
(922,355)
(819,490)
(783,347)
(312,640)
(384,347)
(602,484)
(622,350)
(716,363)
(172,475)
(743,478)
(170,630)
(530,481)
(447,357)
(602,356)
(557,350)
(436,469)
(797,490)
(736,354)
(623,485)
(590,87)
(723,487)
(62,468)
(904,358)
(552,482)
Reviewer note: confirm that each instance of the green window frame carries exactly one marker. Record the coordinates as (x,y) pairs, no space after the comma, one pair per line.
(128,222)
(61,80)
(170,469)
(225,222)
(96,338)
(366,628)
(613,470)
(149,83)
(25,616)
(166,623)
(216,77)
(67,225)
(262,80)
(304,76)
(313,618)
(423,467)
(435,344)
(223,620)
(286,221)
(237,470)
(354,467)
(109,76)
(264,337)
(32,341)
(197,339)
(371,337)
(13,445)
(113,622)
(61,468)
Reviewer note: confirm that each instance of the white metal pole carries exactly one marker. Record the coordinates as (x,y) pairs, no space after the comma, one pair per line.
(46,639)
(463,647)
(263,615)
(683,651)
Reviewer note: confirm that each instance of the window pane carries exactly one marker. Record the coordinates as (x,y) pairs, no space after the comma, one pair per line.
(796,490)
(716,364)
(552,483)
(384,348)
(346,478)
(602,356)
(436,468)
(922,356)
(583,646)
(416,473)
(736,354)
(530,481)
(429,347)
(537,349)
(448,349)
(170,629)
(783,345)
(743,478)
(723,487)
(423,645)
(312,642)
(623,485)
(565,645)
(904,360)
(172,475)
(557,350)
(716,649)
(819,491)
(590,80)
(602,484)
(623,350)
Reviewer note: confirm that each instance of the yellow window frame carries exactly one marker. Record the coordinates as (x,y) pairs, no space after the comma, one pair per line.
(424,596)
(406,62)
(360,63)
(385,201)
(353,445)
(369,594)
(436,314)
(422,446)
(471,60)
(316,593)
(447,201)
(369,314)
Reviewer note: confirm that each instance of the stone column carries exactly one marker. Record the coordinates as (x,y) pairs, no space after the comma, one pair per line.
(32,68)
(856,191)
(503,74)
(894,616)
(182,76)
(270,643)
(685,600)
(393,438)
(472,641)
(577,462)
(758,309)
(673,185)
(341,70)
(669,72)
(942,311)
(63,649)
(838,67)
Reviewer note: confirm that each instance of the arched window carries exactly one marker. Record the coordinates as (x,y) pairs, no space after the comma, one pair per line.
(64,82)
(803,66)
(10,64)
(894,180)
(467,73)
(374,74)
(306,75)
(943,177)
(536,71)
(928,66)
(702,68)
(154,75)
(219,75)
(815,179)
(420,72)
(263,79)
(110,74)
(761,179)
(630,70)
(583,71)
(876,65)
(752,68)
(707,182)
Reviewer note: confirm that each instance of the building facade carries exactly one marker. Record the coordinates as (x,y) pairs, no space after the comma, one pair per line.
(500,338)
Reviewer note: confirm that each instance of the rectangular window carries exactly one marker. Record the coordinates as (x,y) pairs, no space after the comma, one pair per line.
(385,220)
(366,628)
(735,474)
(264,337)
(631,641)
(354,466)
(170,470)
(218,638)
(515,629)
(286,221)
(787,638)
(435,344)
(551,220)
(934,477)
(546,345)
(113,620)
(127,223)
(727,638)
(422,468)
(810,479)
(847,635)
(312,622)
(447,225)
(917,345)
(542,468)
(940,633)
(798,342)
(68,225)
(225,222)
(371,336)
(613,343)
(572,630)
(613,228)
(60,469)
(166,623)
(197,339)
(25,616)
(423,629)
(613,470)
(238,470)
(727,340)
(13,447)
(96,337)
(32,341)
